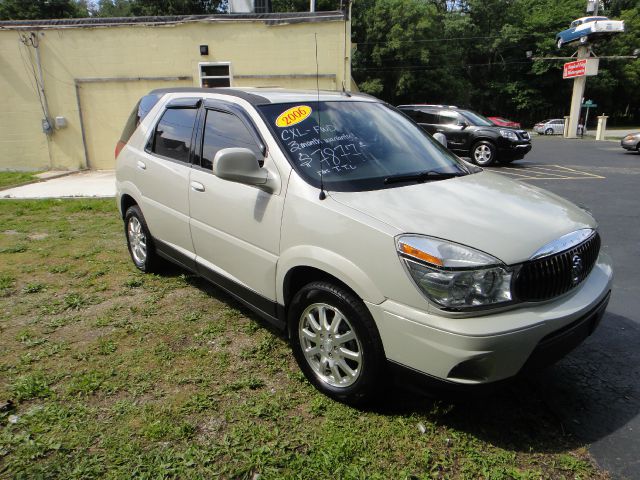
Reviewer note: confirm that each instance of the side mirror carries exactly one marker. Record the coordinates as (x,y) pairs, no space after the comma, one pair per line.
(241,165)
(463,124)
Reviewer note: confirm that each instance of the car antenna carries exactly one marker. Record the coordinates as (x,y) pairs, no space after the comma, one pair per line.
(322,195)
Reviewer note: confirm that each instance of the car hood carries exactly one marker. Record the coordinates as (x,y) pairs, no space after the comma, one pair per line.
(507,219)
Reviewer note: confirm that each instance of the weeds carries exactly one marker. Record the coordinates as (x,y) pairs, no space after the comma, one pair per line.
(118,374)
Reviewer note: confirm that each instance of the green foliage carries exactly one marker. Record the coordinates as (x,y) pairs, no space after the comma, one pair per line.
(35,9)
(34,385)
(472,53)
(12,179)
(104,386)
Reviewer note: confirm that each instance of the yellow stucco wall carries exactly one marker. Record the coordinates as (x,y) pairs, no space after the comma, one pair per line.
(260,55)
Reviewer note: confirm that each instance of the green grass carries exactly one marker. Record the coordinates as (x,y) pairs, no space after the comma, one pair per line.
(116,374)
(12,179)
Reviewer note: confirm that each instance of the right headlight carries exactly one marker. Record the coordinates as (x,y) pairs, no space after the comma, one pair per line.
(452,275)
(510,134)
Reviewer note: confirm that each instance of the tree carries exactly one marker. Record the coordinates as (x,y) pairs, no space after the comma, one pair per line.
(42,9)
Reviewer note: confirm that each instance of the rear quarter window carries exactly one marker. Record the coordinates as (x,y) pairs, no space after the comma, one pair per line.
(137,115)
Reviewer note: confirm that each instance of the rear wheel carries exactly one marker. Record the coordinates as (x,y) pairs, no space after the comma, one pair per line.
(140,242)
(548,131)
(483,153)
(583,39)
(336,343)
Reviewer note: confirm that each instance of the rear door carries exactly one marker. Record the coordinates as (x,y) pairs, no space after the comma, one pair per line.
(235,227)
(427,118)
(450,124)
(162,175)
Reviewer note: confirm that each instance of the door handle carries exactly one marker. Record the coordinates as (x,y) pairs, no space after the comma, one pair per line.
(142,165)
(197,187)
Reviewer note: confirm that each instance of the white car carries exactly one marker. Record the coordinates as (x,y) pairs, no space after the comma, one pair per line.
(554,126)
(586,28)
(338,220)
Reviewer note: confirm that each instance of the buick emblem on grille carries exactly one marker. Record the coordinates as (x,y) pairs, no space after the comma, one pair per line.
(576,269)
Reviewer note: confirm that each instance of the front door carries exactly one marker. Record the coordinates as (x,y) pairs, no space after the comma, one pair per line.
(235,227)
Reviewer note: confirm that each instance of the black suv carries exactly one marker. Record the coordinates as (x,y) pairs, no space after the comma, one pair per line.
(470,134)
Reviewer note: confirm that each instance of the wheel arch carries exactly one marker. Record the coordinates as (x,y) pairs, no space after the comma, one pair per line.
(126,201)
(304,264)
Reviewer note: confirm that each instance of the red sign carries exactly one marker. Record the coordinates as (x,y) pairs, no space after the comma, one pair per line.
(575,69)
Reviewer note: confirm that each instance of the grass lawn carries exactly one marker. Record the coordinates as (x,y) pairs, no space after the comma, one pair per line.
(115,374)
(12,179)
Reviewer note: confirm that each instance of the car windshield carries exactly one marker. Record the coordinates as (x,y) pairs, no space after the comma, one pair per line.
(357,146)
(477,119)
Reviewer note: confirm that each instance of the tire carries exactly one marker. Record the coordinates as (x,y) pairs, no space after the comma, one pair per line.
(548,131)
(483,153)
(559,43)
(351,371)
(140,241)
(583,39)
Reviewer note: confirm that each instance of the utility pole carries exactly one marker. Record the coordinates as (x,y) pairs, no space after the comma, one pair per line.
(578,94)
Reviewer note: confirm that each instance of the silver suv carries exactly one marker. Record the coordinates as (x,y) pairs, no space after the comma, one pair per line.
(339,221)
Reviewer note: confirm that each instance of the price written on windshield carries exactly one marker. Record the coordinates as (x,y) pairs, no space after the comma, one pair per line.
(333,153)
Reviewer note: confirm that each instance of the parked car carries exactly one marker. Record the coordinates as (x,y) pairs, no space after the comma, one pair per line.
(586,28)
(631,142)
(504,122)
(553,126)
(470,134)
(368,244)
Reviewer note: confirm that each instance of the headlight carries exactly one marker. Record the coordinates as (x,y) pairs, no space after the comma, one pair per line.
(452,275)
(510,134)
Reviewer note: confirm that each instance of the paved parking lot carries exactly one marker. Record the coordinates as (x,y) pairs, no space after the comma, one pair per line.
(595,391)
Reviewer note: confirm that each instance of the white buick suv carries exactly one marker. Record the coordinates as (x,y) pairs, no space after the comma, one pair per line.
(339,221)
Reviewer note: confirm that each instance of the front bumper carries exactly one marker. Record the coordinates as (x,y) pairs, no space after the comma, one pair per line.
(493,347)
(513,149)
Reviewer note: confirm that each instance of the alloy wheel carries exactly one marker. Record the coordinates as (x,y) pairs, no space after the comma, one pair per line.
(330,345)
(137,241)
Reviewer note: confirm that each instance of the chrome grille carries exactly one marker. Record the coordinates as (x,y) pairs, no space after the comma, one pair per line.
(551,276)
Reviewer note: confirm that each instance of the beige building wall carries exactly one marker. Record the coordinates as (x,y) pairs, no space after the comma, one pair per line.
(94,75)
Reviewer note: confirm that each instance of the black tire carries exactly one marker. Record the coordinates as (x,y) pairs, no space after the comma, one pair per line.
(484,153)
(548,131)
(352,315)
(149,262)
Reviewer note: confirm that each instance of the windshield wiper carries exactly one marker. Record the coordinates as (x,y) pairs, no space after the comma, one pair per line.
(421,177)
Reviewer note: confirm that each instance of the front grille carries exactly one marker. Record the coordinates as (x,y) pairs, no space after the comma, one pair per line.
(551,276)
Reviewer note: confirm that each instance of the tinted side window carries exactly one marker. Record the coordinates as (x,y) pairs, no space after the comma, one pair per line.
(410,112)
(427,116)
(225,130)
(139,112)
(172,137)
(449,118)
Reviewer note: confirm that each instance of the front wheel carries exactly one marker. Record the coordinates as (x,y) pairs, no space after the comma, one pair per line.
(483,153)
(336,343)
